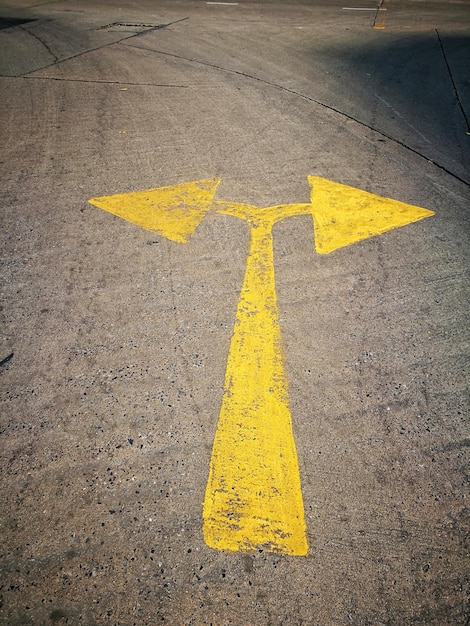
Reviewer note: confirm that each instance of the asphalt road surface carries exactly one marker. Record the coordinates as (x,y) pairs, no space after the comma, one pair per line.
(121,345)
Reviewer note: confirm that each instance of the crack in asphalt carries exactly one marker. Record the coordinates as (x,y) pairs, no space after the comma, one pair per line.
(454,86)
(6,359)
(129,24)
(43,43)
(58,61)
(315,101)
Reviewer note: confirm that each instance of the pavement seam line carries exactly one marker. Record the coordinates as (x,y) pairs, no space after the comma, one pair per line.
(97,82)
(100,47)
(310,99)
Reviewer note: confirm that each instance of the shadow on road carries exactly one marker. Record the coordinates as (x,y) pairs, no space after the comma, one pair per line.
(412,88)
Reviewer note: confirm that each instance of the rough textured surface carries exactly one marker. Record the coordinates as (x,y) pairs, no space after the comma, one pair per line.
(115,340)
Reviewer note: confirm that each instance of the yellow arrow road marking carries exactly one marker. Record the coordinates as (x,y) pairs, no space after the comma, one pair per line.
(253,495)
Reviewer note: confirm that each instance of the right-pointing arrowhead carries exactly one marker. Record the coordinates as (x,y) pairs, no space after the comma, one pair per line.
(174,212)
(344,215)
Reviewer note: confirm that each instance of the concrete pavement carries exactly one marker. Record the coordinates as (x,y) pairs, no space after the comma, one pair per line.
(116,339)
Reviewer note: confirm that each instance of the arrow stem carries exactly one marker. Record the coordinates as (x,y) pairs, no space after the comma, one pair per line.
(253,496)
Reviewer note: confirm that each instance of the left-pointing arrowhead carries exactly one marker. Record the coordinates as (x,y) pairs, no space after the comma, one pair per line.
(174,212)
(344,215)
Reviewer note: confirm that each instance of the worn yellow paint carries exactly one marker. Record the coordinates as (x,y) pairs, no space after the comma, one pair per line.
(344,215)
(253,496)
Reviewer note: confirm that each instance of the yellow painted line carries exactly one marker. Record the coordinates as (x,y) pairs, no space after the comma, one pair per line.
(253,496)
